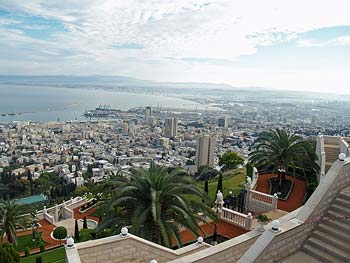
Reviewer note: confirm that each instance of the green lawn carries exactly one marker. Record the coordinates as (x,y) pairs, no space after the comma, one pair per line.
(233,180)
(53,256)
(26,241)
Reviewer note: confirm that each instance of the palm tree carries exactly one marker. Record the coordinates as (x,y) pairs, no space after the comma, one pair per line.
(155,203)
(12,217)
(278,148)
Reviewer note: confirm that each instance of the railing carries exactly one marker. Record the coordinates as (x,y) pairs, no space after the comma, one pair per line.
(68,213)
(49,218)
(236,218)
(344,147)
(255,179)
(260,202)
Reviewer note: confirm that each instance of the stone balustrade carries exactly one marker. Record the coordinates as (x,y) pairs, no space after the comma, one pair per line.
(235,218)
(259,202)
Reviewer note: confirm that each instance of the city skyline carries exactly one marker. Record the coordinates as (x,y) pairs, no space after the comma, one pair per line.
(294,45)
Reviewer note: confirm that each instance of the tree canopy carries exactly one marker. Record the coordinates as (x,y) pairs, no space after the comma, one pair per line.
(231,160)
(12,217)
(279,148)
(155,203)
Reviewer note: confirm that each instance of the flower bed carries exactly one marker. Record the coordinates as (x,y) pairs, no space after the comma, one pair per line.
(285,190)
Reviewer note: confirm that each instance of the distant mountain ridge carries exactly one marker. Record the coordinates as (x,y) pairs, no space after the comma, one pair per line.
(102,80)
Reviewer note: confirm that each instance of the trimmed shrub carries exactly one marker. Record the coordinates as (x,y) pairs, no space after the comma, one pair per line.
(26,252)
(219,184)
(85,235)
(60,233)
(42,247)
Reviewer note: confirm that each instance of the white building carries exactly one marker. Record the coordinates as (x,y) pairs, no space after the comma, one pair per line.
(205,152)
(170,129)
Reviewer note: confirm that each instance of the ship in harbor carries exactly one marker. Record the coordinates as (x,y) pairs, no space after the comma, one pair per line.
(102,111)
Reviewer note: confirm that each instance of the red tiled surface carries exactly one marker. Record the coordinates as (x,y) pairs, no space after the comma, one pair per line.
(296,197)
(224,229)
(78,215)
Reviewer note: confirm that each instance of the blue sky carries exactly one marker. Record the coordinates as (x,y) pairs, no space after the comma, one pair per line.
(297,45)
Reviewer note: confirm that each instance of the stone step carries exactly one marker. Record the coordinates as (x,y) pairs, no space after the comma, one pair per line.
(341,224)
(334,232)
(329,239)
(340,209)
(330,145)
(319,254)
(345,196)
(332,214)
(342,202)
(329,249)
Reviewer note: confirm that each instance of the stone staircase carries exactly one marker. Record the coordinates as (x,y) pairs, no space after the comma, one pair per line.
(332,152)
(330,240)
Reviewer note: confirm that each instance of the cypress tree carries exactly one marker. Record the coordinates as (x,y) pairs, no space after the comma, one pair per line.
(219,184)
(206,187)
(85,223)
(76,231)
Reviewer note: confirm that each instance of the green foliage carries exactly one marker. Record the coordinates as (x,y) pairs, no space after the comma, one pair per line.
(85,235)
(262,218)
(42,247)
(232,181)
(55,256)
(206,187)
(11,218)
(205,172)
(278,148)
(80,191)
(26,252)
(8,254)
(219,187)
(155,202)
(27,241)
(249,169)
(60,233)
(231,160)
(76,231)
(85,223)
(38,259)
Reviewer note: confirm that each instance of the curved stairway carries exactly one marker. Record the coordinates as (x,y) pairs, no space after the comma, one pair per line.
(330,240)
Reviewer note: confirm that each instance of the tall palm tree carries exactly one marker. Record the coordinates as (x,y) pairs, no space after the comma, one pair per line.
(279,148)
(155,202)
(12,217)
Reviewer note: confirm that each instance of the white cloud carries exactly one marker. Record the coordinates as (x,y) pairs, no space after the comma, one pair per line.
(213,29)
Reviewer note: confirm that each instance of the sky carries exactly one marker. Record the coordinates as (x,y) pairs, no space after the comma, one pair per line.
(275,44)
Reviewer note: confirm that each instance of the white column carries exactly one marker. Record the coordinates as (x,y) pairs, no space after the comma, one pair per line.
(274,201)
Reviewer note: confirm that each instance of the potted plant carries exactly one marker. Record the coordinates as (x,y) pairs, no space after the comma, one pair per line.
(262,220)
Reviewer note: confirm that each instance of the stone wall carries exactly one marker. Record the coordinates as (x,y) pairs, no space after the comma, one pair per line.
(131,249)
(226,252)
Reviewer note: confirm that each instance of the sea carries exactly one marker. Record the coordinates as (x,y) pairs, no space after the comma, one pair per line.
(68,104)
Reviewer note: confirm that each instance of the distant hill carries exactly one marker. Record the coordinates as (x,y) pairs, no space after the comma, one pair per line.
(102,80)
